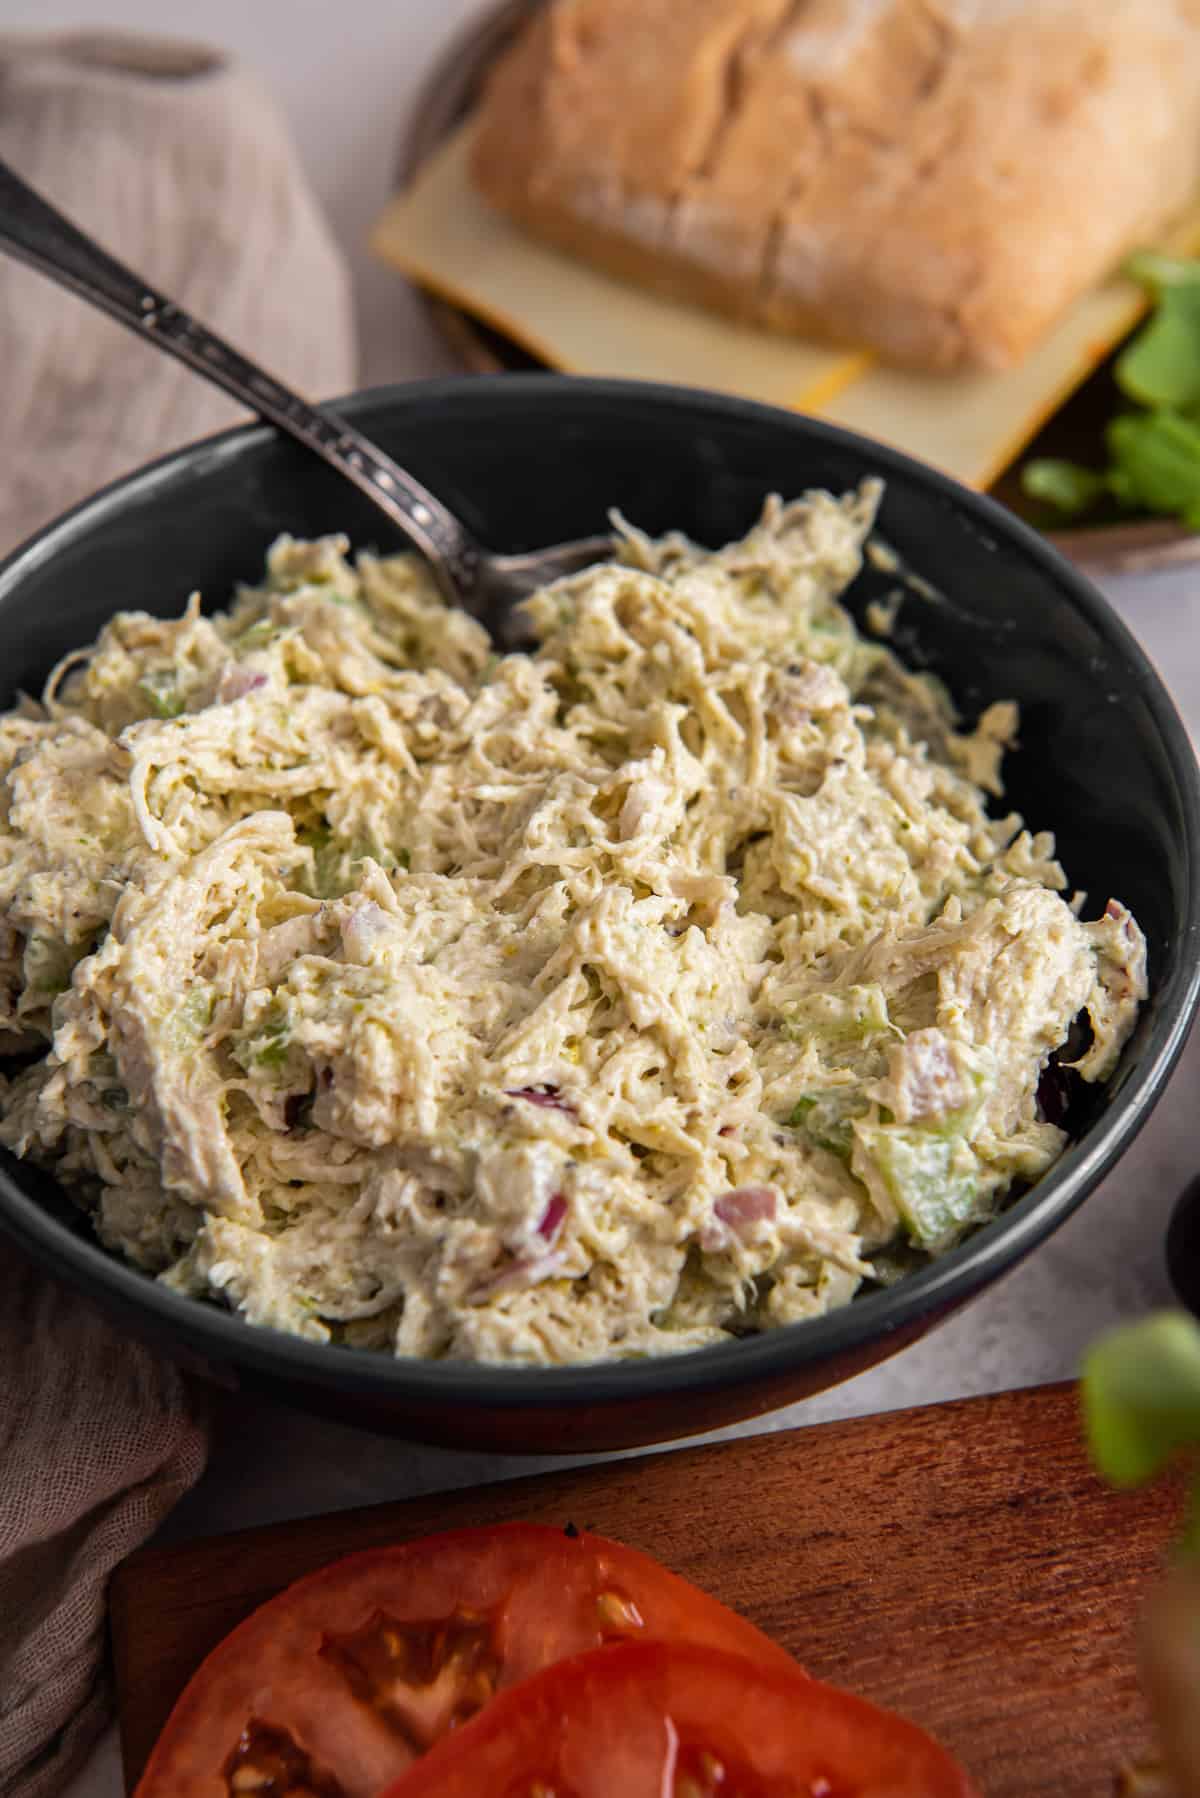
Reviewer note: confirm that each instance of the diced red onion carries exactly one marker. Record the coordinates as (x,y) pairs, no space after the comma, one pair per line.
(553,1217)
(746,1205)
(930,1082)
(519,1275)
(237,682)
(546,1095)
(734,1214)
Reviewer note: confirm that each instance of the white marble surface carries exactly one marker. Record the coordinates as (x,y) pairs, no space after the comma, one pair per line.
(346,75)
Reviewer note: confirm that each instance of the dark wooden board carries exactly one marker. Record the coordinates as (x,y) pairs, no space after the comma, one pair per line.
(960,1563)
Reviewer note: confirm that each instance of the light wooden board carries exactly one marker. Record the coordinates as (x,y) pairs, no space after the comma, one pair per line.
(442,235)
(960,1563)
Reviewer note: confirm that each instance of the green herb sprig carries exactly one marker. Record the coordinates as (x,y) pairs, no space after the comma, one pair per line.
(1153,452)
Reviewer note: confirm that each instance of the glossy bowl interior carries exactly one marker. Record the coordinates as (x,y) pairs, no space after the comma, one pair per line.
(527,460)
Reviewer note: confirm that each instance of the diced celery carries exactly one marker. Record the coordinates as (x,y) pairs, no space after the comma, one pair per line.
(848,1015)
(267,1045)
(334,859)
(257,635)
(160,689)
(827,1120)
(190,1019)
(931,1175)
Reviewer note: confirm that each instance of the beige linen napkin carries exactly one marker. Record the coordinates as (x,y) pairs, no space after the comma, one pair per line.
(178,162)
(98,1439)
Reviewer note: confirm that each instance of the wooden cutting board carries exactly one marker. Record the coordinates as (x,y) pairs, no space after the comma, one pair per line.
(960,1563)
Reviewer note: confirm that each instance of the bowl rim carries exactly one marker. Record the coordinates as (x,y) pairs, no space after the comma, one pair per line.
(210,1331)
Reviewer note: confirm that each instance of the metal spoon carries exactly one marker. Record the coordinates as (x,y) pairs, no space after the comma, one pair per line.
(484,583)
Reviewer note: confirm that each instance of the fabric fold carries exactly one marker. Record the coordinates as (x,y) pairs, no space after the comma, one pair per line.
(177,161)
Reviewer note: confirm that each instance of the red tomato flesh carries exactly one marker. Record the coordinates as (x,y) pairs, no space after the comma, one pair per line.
(665,1720)
(334,1687)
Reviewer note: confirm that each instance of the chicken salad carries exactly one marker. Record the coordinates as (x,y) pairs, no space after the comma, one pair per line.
(667,983)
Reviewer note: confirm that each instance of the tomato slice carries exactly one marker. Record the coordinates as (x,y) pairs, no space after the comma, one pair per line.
(670,1720)
(334,1687)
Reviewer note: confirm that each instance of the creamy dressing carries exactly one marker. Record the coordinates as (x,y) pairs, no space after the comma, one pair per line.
(668,983)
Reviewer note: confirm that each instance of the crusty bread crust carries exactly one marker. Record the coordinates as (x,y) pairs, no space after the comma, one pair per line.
(937,179)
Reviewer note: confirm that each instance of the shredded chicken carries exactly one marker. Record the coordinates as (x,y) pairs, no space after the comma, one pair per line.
(665,984)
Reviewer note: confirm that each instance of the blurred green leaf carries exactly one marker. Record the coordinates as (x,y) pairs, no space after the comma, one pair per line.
(1158,453)
(1154,455)
(1067,486)
(1161,367)
(1158,272)
(1141,1396)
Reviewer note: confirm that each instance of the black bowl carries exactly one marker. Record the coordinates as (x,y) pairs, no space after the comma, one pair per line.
(527,460)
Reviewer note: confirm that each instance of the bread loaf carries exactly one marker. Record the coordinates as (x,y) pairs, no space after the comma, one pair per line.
(937,179)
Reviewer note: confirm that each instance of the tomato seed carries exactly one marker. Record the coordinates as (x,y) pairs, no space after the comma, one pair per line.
(619,1613)
(271,1763)
(421,1678)
(699,1774)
